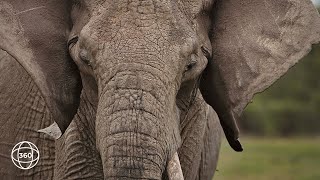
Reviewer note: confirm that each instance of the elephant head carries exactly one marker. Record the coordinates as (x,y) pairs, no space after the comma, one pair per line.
(139,56)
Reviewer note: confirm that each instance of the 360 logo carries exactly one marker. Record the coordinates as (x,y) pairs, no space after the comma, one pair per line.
(25,155)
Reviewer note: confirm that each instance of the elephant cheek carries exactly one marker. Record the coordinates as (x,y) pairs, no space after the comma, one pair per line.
(134,137)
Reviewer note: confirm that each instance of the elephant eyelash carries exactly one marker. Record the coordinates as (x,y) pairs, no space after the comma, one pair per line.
(206,53)
(72,41)
(76,2)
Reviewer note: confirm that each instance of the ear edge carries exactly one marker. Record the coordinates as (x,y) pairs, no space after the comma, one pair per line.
(213,92)
(236,102)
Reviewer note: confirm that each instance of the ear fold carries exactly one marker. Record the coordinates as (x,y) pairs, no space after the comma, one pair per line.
(254,43)
(35,36)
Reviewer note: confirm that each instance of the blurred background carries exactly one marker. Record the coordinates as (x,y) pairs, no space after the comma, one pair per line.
(280,130)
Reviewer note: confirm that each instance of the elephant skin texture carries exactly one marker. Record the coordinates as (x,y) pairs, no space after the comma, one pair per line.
(139,89)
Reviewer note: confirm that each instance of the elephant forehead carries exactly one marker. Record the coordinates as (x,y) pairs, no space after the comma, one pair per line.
(139,6)
(167,18)
(137,54)
(141,9)
(151,6)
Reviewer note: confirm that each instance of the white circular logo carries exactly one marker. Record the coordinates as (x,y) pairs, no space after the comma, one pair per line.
(25,155)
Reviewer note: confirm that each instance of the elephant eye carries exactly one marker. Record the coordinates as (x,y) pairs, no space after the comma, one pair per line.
(79,53)
(84,56)
(192,62)
(72,41)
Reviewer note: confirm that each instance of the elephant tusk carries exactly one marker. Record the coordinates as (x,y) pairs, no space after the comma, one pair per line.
(174,168)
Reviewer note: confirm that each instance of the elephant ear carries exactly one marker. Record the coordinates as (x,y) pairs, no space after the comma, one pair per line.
(254,43)
(34,34)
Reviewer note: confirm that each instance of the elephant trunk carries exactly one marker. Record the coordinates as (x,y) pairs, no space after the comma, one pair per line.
(134,134)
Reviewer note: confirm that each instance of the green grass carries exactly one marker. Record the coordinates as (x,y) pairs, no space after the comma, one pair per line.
(271,159)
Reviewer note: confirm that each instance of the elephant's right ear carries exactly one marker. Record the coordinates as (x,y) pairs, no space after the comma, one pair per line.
(254,43)
(35,36)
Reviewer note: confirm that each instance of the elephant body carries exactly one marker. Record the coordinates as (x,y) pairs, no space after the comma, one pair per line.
(138,89)
(74,155)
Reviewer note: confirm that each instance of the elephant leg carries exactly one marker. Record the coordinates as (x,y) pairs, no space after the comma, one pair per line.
(211,147)
(22,113)
(76,153)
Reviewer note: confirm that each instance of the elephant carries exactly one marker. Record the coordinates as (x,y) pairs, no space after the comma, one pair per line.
(139,89)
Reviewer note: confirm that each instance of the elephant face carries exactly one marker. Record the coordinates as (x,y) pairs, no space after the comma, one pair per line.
(140,57)
(143,54)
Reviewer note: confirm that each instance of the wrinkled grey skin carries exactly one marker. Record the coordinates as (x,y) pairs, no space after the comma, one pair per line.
(144,80)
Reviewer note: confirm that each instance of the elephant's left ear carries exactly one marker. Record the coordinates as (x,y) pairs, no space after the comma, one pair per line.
(254,43)
(34,35)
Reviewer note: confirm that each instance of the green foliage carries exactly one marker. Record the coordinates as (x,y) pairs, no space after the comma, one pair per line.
(264,159)
(292,105)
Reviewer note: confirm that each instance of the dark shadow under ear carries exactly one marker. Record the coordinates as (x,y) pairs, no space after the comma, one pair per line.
(37,40)
(254,43)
